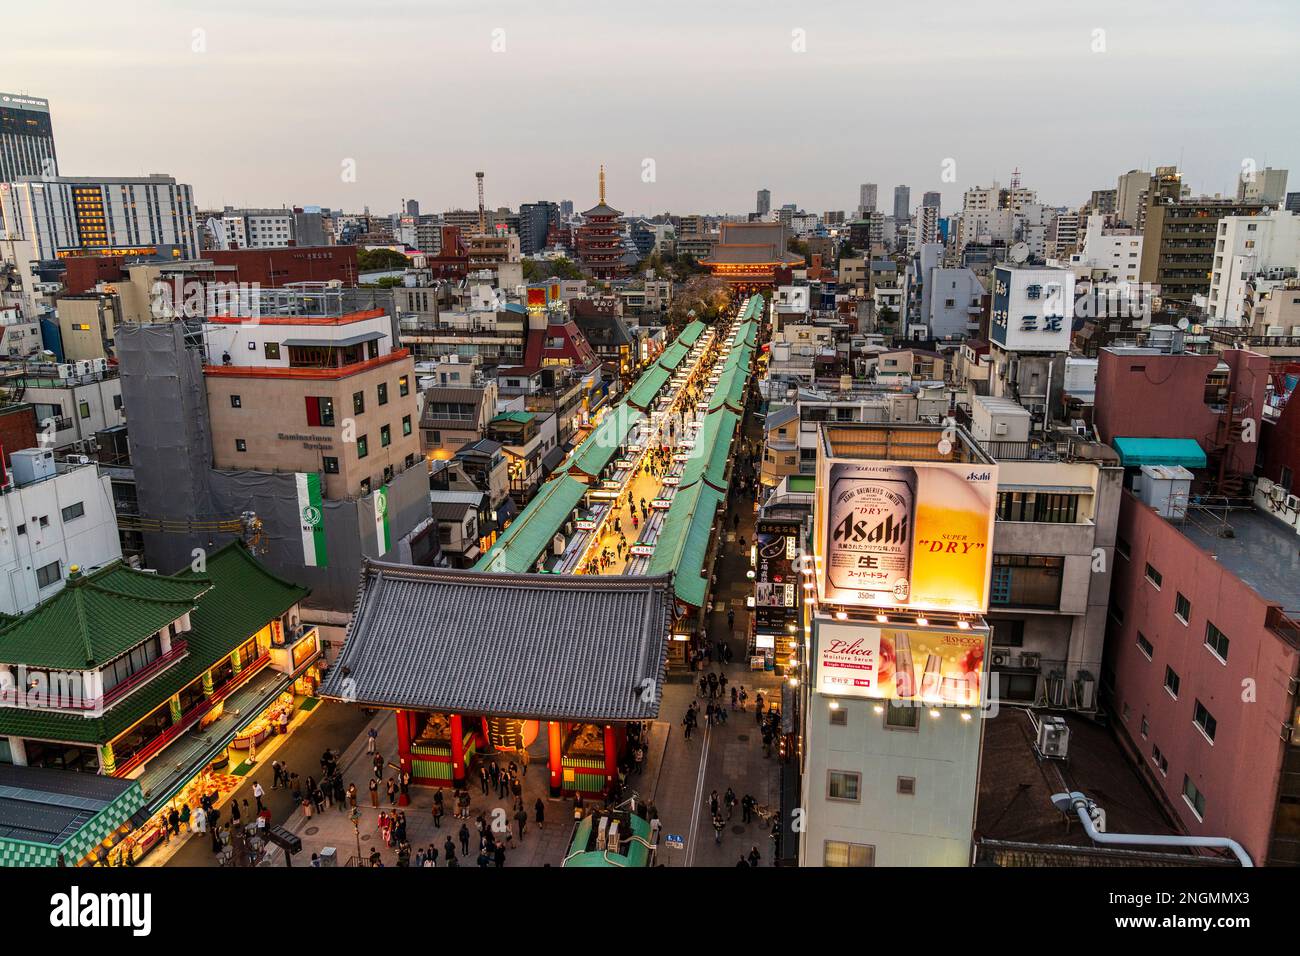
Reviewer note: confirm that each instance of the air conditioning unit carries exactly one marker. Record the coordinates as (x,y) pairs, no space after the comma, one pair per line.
(100,364)
(66,370)
(1053,738)
(1277,493)
(1293,502)
(1030,660)
(1001,658)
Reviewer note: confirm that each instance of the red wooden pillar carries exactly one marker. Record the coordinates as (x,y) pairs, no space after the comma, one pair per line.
(611,757)
(404,747)
(555,755)
(457,750)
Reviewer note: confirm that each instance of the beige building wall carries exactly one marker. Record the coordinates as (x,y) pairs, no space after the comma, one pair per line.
(268,414)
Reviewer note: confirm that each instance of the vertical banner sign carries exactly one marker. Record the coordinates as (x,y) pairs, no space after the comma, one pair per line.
(312,516)
(381,521)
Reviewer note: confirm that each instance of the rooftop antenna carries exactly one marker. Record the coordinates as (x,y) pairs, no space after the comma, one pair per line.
(482,217)
(602,183)
(1015,179)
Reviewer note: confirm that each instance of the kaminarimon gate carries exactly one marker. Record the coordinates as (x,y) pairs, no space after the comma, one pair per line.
(473,661)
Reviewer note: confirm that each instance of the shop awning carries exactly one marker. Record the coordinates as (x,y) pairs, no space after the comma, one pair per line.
(642,394)
(1134,452)
(712,451)
(683,542)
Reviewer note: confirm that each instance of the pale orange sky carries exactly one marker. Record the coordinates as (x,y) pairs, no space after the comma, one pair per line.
(713,92)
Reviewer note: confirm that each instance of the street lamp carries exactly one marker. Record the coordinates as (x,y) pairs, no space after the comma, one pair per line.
(355,817)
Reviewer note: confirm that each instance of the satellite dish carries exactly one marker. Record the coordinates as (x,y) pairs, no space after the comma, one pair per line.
(1019,252)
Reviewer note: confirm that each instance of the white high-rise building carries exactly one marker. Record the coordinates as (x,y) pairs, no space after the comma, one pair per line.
(1267,185)
(26,138)
(1128,195)
(1251,248)
(1111,254)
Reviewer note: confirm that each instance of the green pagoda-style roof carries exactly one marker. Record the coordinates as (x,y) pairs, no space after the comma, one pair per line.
(237,597)
(98,617)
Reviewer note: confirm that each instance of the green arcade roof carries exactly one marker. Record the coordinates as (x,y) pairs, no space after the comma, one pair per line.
(530,533)
(1134,452)
(712,451)
(239,598)
(673,355)
(683,541)
(598,448)
(691,334)
(642,394)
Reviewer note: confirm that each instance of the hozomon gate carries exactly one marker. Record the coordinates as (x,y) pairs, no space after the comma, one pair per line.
(473,661)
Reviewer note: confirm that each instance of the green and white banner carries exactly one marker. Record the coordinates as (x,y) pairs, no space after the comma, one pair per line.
(382,535)
(312,514)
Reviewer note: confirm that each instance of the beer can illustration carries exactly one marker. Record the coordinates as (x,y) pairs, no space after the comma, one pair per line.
(872,515)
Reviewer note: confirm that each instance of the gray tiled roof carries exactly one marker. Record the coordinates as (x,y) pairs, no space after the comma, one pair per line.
(577,647)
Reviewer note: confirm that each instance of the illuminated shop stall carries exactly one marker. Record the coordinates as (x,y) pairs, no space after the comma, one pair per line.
(470,662)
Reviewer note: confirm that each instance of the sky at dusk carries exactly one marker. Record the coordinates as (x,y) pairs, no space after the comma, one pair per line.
(691,106)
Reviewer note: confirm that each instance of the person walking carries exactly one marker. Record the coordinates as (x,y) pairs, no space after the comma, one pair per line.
(464,839)
(754,857)
(437,809)
(374,793)
(521,819)
(372,735)
(483,779)
(378,764)
(539,812)
(258,794)
(717,828)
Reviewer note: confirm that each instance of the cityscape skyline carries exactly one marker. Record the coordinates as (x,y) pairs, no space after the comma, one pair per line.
(395,156)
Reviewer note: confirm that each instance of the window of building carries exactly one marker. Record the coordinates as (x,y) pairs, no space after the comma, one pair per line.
(1154,576)
(117,403)
(840,853)
(1145,646)
(44,521)
(1008,633)
(1195,799)
(1172,681)
(21,529)
(320,410)
(839,717)
(843,785)
(1216,641)
(907,786)
(1122,548)
(385,436)
(50,574)
(358,402)
(900,715)
(135,660)
(1182,608)
(1160,760)
(329,465)
(1146,727)
(1026,580)
(241,445)
(363,446)
(83,409)
(1038,506)
(382,390)
(75,510)
(404,386)
(236,402)
(406,424)
(1205,720)
(271,350)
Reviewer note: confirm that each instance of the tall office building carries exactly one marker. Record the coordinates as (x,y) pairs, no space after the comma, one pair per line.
(535,221)
(764,202)
(931,200)
(1128,195)
(26,138)
(902,203)
(1293,202)
(89,215)
(866,200)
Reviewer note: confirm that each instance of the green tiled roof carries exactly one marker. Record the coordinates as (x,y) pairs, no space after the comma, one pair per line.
(529,534)
(239,598)
(522,418)
(683,541)
(598,448)
(673,355)
(643,393)
(712,450)
(691,334)
(97,617)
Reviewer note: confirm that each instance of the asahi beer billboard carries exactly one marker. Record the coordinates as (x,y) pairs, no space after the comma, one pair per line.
(914,535)
(930,666)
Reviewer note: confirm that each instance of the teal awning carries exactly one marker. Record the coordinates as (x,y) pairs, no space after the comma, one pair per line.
(1134,452)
